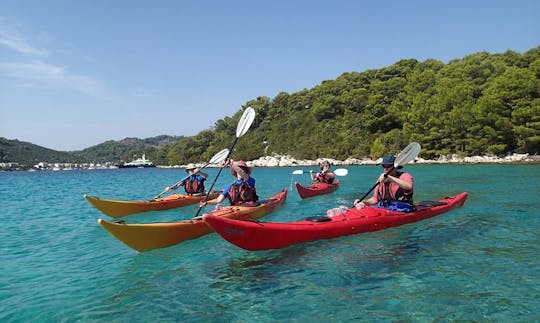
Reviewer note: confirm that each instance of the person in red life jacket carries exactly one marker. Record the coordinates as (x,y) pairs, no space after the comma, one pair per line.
(395,189)
(194,183)
(242,190)
(325,175)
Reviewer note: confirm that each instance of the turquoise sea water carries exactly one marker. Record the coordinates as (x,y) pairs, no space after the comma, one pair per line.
(477,263)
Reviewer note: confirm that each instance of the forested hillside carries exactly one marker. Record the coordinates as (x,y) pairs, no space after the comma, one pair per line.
(482,104)
(127,149)
(29,154)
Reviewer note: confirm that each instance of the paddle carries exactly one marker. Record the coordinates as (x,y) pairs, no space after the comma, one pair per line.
(405,156)
(243,126)
(216,159)
(338,172)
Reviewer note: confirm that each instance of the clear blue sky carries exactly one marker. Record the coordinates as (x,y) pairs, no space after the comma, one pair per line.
(74,74)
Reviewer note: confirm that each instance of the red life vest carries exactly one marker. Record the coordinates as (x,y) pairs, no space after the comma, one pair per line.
(390,192)
(241,193)
(322,178)
(193,185)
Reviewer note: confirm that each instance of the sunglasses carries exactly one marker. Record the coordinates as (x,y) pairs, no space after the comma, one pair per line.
(387,166)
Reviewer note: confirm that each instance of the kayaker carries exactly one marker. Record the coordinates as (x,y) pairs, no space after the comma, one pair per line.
(194,183)
(325,175)
(395,189)
(242,190)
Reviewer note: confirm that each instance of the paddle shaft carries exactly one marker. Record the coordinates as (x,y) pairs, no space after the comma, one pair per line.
(373,187)
(215,180)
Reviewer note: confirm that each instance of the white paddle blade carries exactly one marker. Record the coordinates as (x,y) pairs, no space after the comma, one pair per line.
(245,122)
(298,172)
(341,172)
(408,154)
(220,156)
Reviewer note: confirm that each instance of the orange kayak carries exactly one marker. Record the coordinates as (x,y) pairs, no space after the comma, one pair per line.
(148,236)
(120,208)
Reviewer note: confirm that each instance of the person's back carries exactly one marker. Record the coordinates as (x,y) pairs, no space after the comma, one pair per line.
(194,184)
(241,190)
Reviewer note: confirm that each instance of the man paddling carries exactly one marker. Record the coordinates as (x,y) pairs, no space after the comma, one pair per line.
(395,189)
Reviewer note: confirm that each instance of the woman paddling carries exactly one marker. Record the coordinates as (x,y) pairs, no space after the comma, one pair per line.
(325,175)
(242,190)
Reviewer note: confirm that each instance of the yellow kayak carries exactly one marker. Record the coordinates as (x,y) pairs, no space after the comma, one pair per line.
(120,208)
(148,236)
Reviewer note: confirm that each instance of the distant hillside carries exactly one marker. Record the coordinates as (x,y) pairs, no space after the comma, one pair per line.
(129,148)
(28,154)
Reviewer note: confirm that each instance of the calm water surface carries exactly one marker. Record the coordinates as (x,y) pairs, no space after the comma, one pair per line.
(476,263)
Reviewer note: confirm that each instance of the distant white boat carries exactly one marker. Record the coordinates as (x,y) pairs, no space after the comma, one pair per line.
(138,163)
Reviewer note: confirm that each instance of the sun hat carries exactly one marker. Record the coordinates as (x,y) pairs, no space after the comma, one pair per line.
(243,165)
(388,160)
(190,166)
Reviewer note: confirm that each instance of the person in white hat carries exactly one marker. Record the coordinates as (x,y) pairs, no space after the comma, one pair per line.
(194,183)
(241,191)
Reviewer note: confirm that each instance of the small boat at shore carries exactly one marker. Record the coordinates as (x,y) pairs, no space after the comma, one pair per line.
(138,163)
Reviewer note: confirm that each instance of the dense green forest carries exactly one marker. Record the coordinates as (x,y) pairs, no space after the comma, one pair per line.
(481,104)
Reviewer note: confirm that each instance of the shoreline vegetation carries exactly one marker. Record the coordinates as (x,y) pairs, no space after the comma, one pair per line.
(277,160)
(288,161)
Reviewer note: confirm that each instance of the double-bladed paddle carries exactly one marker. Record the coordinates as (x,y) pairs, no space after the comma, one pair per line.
(407,155)
(243,126)
(220,156)
(338,172)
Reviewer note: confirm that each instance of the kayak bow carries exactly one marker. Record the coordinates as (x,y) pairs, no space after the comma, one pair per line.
(120,208)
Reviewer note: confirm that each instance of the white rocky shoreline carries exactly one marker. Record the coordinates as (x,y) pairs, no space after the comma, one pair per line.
(288,161)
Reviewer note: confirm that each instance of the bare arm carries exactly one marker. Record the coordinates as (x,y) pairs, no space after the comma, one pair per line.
(239,171)
(215,201)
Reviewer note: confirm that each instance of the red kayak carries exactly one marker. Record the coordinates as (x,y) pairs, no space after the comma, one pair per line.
(253,235)
(316,189)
